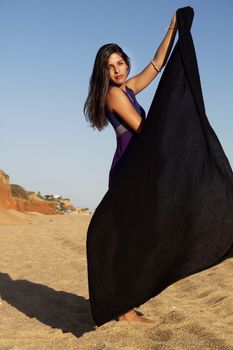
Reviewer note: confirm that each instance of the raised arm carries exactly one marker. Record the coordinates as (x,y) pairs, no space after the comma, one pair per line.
(144,78)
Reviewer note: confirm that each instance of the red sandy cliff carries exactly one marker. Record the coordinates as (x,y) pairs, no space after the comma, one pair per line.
(32,203)
(7,201)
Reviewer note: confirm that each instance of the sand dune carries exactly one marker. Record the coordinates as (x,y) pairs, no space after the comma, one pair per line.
(14,217)
(44,296)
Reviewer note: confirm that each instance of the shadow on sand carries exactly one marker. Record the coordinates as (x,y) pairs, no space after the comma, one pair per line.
(66,311)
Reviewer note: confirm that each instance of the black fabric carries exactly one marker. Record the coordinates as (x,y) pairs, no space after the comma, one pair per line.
(169,211)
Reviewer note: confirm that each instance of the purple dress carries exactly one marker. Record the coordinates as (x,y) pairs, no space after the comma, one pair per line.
(124,133)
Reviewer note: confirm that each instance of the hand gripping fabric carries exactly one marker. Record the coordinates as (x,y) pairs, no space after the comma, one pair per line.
(169,212)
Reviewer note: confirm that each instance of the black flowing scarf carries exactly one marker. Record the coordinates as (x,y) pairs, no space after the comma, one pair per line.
(169,212)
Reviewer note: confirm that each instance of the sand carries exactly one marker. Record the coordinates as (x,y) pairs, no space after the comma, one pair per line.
(44,295)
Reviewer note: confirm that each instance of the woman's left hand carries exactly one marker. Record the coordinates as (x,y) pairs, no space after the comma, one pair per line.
(173,21)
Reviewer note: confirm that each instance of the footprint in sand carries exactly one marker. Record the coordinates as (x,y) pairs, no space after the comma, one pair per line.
(173,317)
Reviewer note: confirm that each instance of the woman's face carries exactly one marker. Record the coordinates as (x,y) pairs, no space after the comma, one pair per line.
(118,69)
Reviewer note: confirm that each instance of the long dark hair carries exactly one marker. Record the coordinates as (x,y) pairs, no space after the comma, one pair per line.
(99,84)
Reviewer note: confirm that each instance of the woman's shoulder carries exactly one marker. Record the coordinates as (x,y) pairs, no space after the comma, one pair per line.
(113,93)
(117,91)
(113,90)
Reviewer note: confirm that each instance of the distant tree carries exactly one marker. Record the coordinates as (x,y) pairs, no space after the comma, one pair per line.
(39,195)
(49,197)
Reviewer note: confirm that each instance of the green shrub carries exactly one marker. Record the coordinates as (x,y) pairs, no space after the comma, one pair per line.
(18,191)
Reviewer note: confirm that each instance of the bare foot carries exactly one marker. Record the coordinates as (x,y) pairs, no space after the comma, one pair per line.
(131,315)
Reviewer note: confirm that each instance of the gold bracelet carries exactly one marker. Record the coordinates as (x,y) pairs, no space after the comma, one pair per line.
(157,69)
(170,27)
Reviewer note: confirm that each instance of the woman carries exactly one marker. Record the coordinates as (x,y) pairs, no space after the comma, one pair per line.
(112,98)
(168,211)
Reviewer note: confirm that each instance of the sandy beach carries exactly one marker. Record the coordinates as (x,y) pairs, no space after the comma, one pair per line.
(45,305)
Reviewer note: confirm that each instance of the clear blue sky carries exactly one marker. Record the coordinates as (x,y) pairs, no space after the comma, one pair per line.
(47,53)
